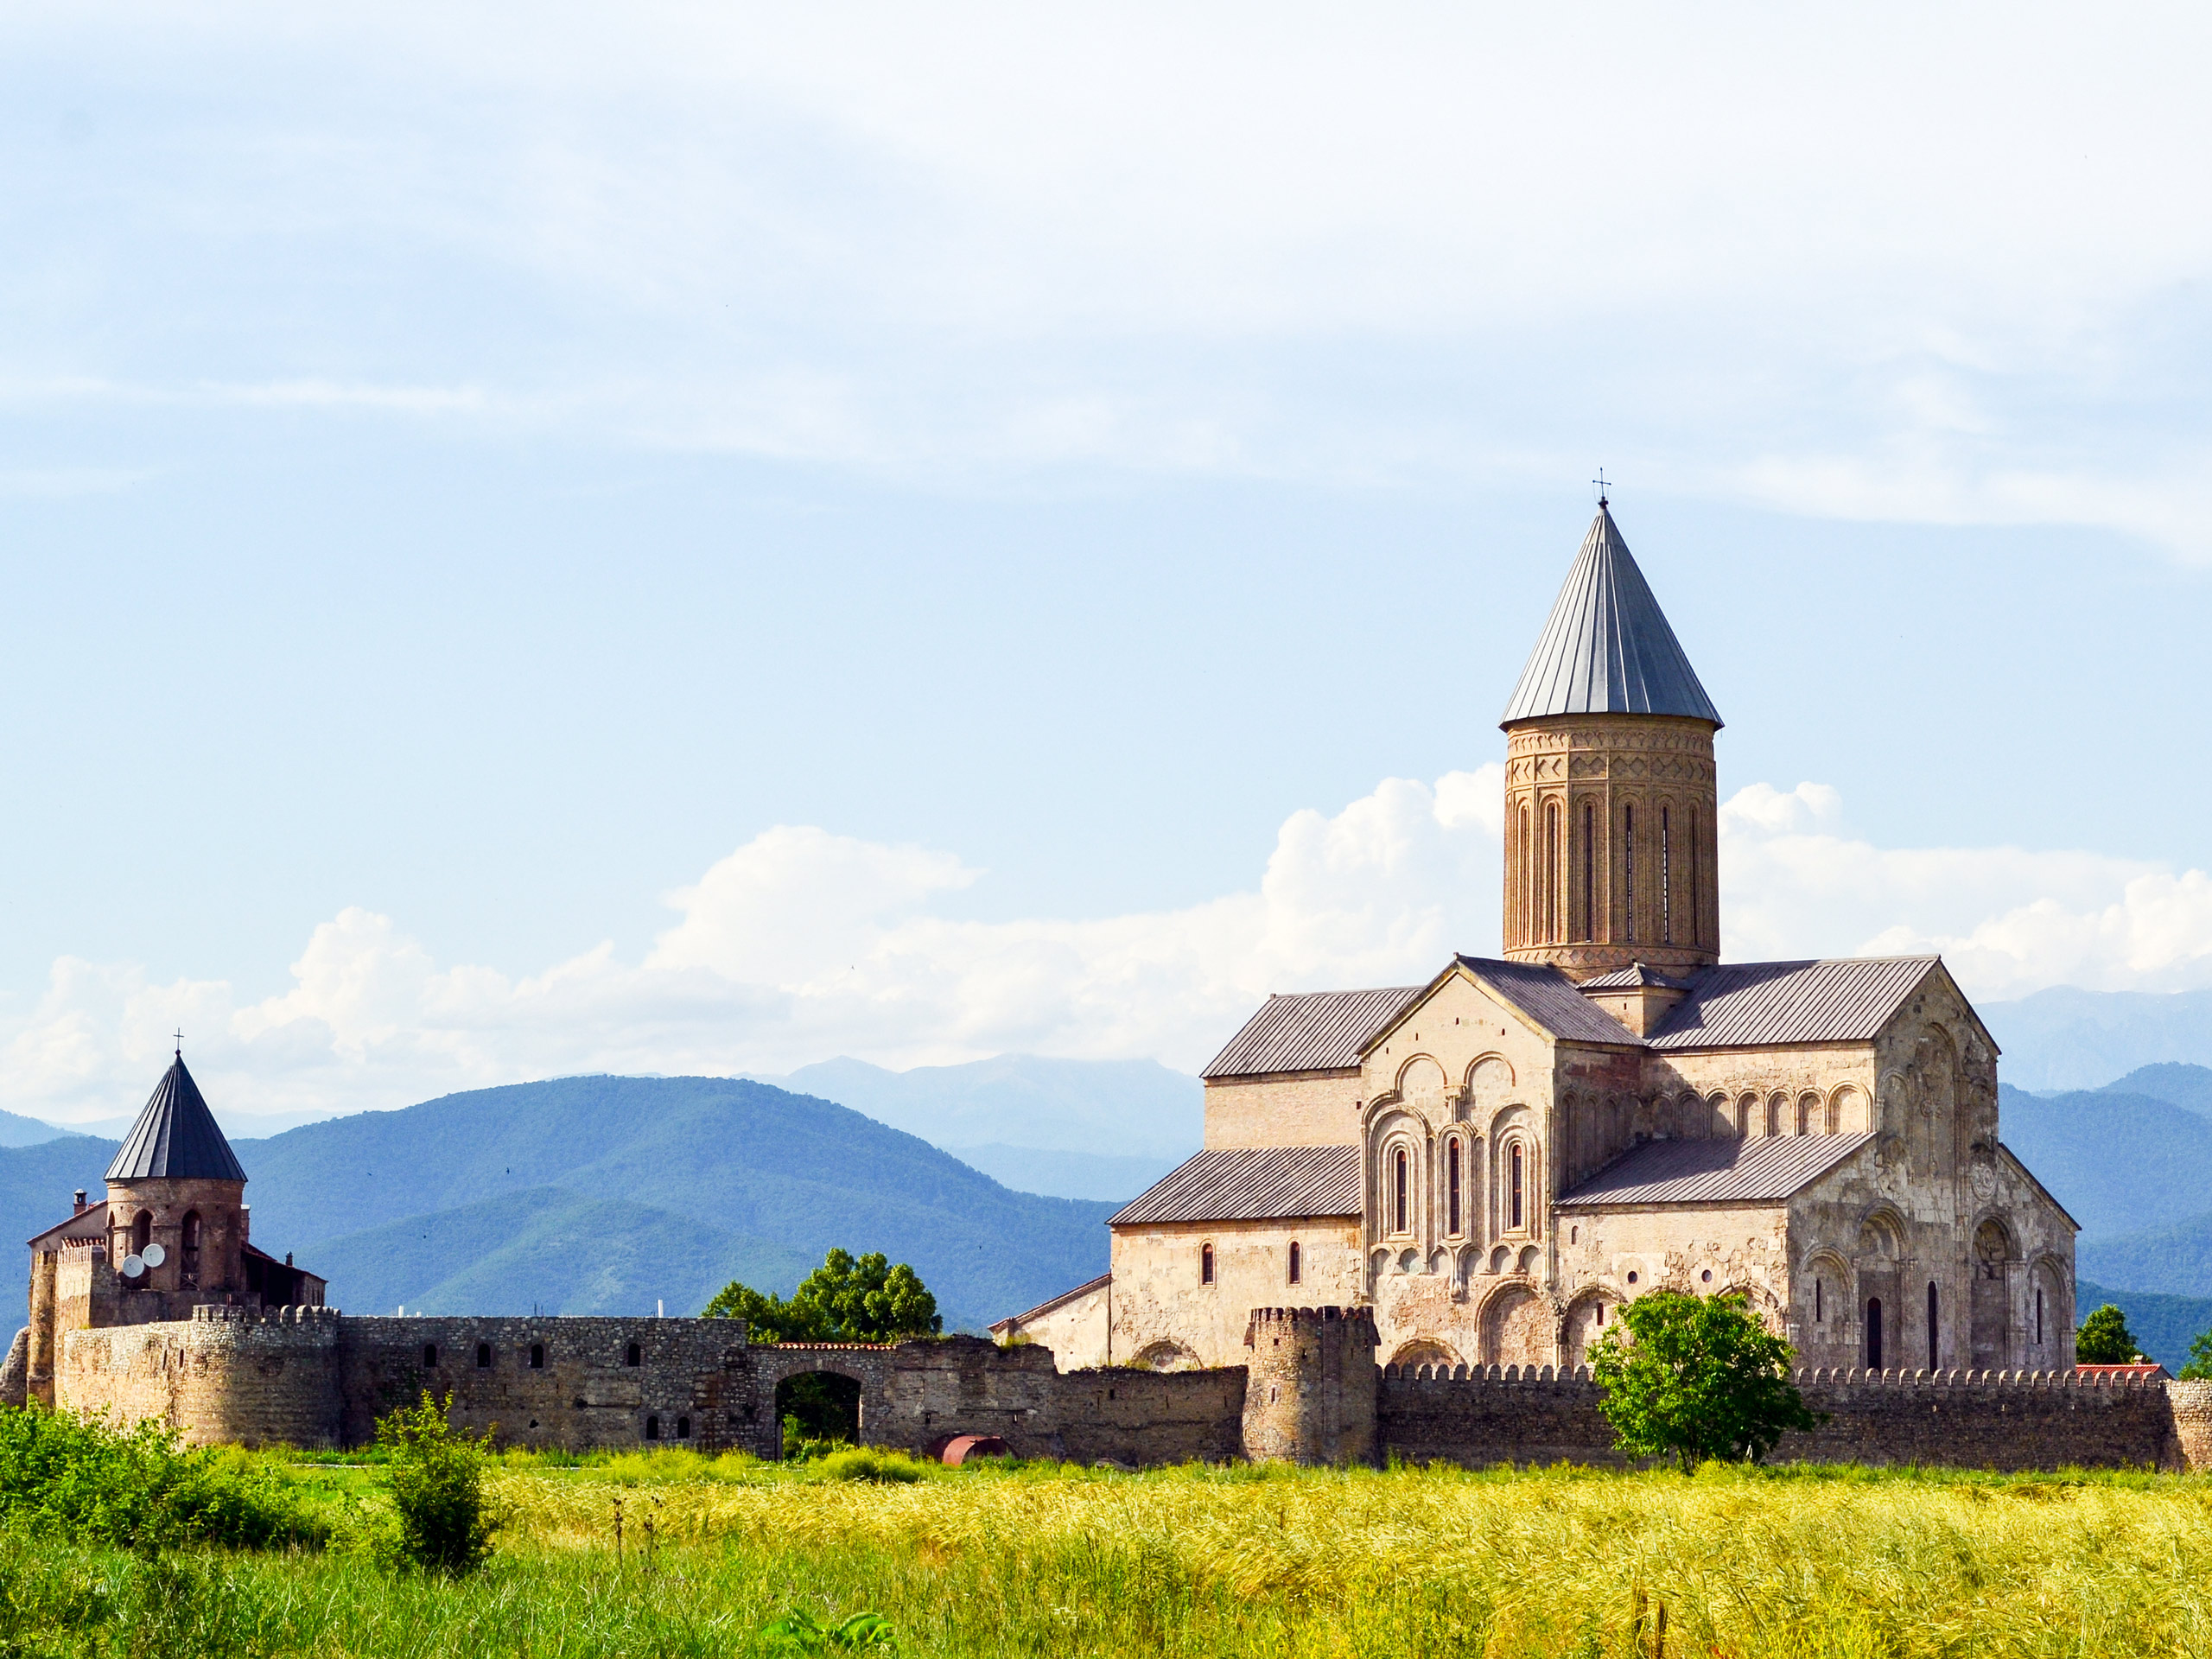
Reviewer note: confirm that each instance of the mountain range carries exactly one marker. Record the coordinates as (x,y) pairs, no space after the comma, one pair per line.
(599,1194)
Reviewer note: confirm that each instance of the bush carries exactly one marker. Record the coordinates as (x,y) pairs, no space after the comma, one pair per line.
(2105,1339)
(63,1476)
(866,1463)
(799,1631)
(1698,1378)
(436,1479)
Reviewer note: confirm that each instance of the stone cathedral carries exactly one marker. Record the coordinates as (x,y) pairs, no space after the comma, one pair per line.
(1494,1161)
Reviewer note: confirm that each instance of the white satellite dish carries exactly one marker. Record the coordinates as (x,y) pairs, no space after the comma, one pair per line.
(154,1255)
(133,1268)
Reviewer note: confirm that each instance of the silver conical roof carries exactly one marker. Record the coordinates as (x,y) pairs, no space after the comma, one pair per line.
(1608,649)
(176,1138)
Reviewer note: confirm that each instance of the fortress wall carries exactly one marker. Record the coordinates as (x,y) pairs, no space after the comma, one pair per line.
(224,1375)
(1980,1420)
(584,1395)
(1145,1418)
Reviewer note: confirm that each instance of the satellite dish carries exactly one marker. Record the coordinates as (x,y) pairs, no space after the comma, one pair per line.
(154,1255)
(133,1268)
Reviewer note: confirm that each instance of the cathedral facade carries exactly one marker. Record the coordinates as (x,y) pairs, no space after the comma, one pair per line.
(1495,1161)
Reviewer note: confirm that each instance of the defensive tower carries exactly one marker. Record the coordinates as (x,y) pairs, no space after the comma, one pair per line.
(1610,845)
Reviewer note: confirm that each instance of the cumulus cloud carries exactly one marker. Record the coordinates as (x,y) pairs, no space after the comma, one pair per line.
(802,944)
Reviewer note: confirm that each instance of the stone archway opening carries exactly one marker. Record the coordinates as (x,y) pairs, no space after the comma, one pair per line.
(820,1407)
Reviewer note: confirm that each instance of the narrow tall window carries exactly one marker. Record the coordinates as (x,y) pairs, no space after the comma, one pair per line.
(483,1355)
(1205,1264)
(1401,1172)
(141,1232)
(1524,901)
(429,1356)
(190,1268)
(1874,1334)
(2038,1316)
(1513,1187)
(652,1428)
(1931,1325)
(1666,881)
(1697,908)
(1817,1314)
(633,1355)
(1551,909)
(1628,865)
(537,1355)
(1589,873)
(1451,1186)
(1297,1264)
(683,1428)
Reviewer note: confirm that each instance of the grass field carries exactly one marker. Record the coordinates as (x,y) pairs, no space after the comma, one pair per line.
(1040,1560)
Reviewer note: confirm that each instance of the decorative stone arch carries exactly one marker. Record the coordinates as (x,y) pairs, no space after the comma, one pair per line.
(1811,1112)
(1588,1317)
(1516,1152)
(1763,1303)
(1778,1112)
(1459,1166)
(1500,1259)
(1423,1087)
(1828,1293)
(1400,1138)
(1165,1355)
(1882,1231)
(1532,1262)
(1425,1351)
(1846,1111)
(1466,1262)
(1993,1253)
(1727,1124)
(772,1364)
(1489,1080)
(2051,1347)
(1750,1114)
(1518,1327)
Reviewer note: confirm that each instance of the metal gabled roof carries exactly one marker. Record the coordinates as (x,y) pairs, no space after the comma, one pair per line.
(1768,1004)
(176,1138)
(1252,1183)
(1730,1170)
(1606,648)
(1552,1000)
(1322,1030)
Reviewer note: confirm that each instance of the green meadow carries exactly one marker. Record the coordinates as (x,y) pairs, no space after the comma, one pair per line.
(1050,1560)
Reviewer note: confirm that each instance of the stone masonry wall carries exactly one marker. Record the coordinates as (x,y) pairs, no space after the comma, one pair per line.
(2002,1420)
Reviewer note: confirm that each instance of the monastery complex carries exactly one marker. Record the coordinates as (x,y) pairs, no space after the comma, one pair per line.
(1494,1161)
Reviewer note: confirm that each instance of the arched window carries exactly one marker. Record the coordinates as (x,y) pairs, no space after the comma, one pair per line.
(1297,1264)
(1874,1333)
(2038,1316)
(537,1355)
(1451,1187)
(1628,865)
(1818,1316)
(429,1356)
(1589,873)
(1931,1325)
(633,1355)
(1205,1264)
(188,1266)
(141,1232)
(1401,1197)
(1697,909)
(483,1355)
(1513,1174)
(1666,882)
(683,1428)
(1552,908)
(652,1428)
(1524,902)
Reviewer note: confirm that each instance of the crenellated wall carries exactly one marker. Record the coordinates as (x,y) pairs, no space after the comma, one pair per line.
(2010,1420)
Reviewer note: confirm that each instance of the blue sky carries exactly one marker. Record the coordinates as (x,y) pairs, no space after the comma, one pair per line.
(706,538)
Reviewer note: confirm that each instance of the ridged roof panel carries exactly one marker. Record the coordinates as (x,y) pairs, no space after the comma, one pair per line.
(1252,1184)
(1322,1030)
(1607,648)
(176,1138)
(1552,1000)
(1764,1170)
(1763,1004)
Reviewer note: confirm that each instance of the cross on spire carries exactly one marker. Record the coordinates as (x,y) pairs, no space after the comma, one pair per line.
(1602,486)
(180,1043)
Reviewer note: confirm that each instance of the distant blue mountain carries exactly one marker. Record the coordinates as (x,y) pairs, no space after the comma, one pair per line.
(2068,1039)
(2118,1162)
(2164,1325)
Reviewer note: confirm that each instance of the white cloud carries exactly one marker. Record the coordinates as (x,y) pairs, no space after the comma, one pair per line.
(801,945)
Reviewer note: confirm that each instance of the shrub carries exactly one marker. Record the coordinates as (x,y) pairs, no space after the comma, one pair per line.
(137,1489)
(1696,1377)
(436,1479)
(2105,1339)
(798,1631)
(866,1463)
(2199,1368)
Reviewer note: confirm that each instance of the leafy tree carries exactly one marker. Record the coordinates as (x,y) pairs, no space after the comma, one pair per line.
(2199,1369)
(436,1476)
(1696,1377)
(844,1299)
(2105,1339)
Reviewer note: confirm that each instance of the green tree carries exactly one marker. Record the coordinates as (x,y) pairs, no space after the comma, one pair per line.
(844,1299)
(436,1478)
(2105,1339)
(2199,1369)
(1696,1377)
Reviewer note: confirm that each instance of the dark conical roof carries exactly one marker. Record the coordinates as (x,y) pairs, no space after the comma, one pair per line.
(1607,649)
(176,1138)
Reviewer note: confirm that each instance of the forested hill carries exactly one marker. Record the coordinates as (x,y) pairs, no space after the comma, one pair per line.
(589,1194)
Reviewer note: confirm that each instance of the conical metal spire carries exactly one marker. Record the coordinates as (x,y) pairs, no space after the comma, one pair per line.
(1607,649)
(176,1138)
